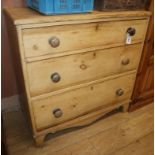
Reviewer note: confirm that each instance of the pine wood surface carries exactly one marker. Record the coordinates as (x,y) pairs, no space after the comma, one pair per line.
(79,110)
(22,16)
(81,101)
(82,65)
(77,37)
(119,134)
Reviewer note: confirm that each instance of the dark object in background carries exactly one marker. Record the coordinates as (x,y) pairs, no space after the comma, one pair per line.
(105,5)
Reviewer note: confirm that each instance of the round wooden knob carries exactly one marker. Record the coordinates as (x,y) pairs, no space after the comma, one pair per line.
(119,92)
(131,31)
(125,61)
(55,77)
(57,113)
(54,42)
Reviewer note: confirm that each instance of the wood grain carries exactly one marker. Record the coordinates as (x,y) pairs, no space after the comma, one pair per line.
(25,16)
(140,123)
(77,37)
(122,135)
(141,146)
(81,65)
(144,89)
(81,101)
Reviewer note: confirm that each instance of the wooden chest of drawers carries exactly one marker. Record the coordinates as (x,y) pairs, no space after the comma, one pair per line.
(72,69)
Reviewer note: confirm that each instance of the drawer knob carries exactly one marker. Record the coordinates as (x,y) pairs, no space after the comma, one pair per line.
(57,113)
(119,92)
(55,77)
(131,31)
(54,42)
(125,61)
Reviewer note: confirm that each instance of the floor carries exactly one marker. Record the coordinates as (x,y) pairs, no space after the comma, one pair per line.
(119,134)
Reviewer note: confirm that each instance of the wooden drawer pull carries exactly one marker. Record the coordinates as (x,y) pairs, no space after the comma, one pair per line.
(54,42)
(57,113)
(55,77)
(131,31)
(125,61)
(119,92)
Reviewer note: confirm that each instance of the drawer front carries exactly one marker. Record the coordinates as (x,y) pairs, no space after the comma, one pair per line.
(57,73)
(72,104)
(56,39)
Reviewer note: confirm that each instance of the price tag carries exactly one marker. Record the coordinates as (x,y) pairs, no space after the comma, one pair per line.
(128,39)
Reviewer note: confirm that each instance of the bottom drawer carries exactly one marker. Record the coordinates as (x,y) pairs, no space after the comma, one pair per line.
(71,104)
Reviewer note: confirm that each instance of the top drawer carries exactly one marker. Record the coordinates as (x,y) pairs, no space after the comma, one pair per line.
(56,39)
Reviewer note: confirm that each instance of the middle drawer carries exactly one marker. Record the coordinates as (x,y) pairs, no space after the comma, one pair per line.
(58,73)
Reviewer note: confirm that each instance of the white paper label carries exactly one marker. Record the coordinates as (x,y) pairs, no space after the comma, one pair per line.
(128,39)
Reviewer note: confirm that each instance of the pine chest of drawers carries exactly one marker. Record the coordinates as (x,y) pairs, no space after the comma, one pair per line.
(72,69)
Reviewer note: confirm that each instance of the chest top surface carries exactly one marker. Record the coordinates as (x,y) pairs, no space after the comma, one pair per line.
(23,16)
